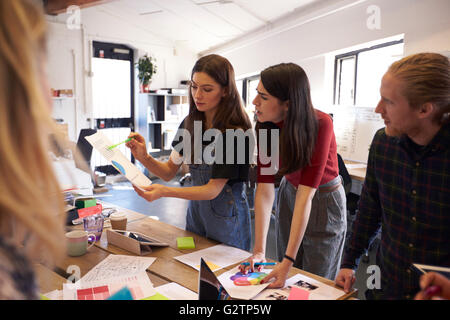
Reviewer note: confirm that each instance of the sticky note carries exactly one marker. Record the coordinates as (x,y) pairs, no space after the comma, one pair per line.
(211,265)
(157,296)
(85,203)
(185,243)
(122,294)
(298,294)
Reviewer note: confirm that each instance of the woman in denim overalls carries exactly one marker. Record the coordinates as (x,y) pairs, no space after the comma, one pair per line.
(311,209)
(218,208)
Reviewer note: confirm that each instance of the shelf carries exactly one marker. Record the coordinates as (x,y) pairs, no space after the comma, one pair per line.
(165,122)
(164,94)
(62,98)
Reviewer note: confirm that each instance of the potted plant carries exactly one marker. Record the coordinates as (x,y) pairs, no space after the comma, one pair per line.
(147,68)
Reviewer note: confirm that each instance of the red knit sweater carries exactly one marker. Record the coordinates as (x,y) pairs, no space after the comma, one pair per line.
(324,163)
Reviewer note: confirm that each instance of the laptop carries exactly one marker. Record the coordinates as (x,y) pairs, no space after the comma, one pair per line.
(209,287)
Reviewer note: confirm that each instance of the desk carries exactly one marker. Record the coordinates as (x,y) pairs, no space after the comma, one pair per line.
(356,173)
(165,269)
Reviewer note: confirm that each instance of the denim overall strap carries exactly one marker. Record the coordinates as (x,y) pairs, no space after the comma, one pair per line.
(225,218)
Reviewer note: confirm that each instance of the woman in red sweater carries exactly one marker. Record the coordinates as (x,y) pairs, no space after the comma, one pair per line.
(311,210)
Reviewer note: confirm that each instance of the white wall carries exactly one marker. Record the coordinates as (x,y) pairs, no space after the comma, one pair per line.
(67,47)
(425,23)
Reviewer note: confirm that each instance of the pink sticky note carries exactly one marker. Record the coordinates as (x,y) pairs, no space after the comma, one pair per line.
(298,294)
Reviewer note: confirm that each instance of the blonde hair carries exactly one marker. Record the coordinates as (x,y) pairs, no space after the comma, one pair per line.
(426,78)
(31,204)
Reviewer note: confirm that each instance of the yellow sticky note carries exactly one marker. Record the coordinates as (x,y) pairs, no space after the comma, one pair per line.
(157,296)
(185,243)
(211,265)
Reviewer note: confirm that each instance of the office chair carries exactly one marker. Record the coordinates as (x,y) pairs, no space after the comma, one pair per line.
(352,199)
(352,207)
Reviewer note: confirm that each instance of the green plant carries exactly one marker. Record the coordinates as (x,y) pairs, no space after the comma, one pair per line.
(147,68)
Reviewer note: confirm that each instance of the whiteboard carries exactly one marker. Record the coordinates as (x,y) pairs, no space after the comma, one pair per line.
(354,128)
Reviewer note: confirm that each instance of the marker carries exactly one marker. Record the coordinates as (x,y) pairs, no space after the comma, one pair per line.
(259,264)
(433,291)
(115,145)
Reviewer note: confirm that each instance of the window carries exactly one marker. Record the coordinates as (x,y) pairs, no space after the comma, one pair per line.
(358,73)
(112,97)
(247,90)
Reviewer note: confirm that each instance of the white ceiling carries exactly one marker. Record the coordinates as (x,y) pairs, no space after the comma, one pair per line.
(200,25)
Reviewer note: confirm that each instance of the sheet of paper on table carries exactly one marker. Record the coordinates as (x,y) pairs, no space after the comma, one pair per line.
(139,285)
(244,292)
(174,291)
(217,257)
(118,160)
(117,266)
(317,290)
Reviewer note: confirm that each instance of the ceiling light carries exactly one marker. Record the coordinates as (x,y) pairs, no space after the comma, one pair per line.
(216,1)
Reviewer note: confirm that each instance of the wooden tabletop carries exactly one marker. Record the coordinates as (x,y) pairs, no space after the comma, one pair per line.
(356,173)
(165,268)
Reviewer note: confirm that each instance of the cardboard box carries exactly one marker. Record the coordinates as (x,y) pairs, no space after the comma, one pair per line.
(127,243)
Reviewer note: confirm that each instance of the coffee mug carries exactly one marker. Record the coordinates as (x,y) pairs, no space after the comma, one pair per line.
(118,220)
(77,242)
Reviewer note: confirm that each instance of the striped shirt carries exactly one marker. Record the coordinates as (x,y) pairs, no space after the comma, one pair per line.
(407,193)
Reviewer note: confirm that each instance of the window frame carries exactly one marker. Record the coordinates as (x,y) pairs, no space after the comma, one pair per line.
(338,62)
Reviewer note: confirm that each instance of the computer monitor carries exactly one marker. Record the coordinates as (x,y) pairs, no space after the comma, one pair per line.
(85,149)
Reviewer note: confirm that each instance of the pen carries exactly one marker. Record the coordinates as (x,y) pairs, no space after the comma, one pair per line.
(259,264)
(115,145)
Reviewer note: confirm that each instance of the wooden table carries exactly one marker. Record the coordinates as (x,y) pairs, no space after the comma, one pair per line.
(356,173)
(165,269)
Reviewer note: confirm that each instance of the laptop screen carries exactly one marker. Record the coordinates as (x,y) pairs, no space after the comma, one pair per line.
(209,287)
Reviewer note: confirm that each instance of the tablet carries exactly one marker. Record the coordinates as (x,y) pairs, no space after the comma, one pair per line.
(142,238)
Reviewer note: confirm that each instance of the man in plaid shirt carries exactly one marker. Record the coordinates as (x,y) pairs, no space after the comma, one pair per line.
(407,187)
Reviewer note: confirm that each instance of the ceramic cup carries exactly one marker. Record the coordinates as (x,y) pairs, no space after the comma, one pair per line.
(77,242)
(118,221)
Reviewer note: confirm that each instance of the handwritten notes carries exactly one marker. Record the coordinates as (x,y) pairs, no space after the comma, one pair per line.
(116,266)
(354,128)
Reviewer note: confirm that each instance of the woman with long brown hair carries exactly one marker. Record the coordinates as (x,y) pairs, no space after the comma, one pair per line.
(219,208)
(31,204)
(311,210)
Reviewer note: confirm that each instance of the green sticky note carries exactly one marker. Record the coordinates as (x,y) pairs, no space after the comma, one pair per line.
(85,203)
(42,297)
(185,243)
(157,296)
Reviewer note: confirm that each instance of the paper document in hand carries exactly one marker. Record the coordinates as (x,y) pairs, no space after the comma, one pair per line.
(217,257)
(118,160)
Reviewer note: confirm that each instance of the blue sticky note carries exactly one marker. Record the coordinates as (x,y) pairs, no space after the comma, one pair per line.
(122,294)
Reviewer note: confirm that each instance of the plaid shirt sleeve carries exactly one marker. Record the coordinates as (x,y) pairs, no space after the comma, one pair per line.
(368,219)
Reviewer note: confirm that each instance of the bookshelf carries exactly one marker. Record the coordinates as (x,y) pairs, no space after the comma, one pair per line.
(159,117)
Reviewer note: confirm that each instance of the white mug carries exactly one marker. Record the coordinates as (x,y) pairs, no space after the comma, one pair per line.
(77,242)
